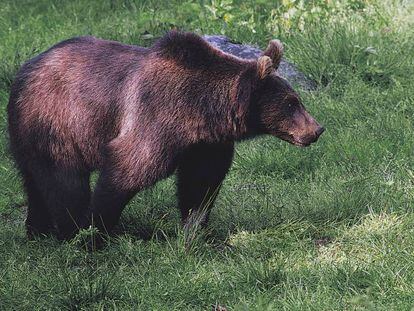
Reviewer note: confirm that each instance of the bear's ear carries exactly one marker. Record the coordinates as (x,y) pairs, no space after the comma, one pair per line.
(275,51)
(264,66)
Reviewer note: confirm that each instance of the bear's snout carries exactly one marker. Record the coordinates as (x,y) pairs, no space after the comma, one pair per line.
(319,131)
(310,138)
(306,130)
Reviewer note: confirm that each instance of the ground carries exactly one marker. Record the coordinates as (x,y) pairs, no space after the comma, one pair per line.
(327,227)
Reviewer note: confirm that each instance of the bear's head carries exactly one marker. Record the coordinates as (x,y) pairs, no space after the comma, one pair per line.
(275,108)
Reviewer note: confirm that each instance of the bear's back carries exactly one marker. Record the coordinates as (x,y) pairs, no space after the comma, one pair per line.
(66,99)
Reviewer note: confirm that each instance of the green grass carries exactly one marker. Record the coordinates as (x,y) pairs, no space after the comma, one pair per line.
(323,228)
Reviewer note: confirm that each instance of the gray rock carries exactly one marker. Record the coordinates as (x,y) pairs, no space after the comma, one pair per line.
(286,69)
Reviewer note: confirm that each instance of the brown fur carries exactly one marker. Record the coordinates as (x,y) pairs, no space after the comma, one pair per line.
(275,52)
(136,115)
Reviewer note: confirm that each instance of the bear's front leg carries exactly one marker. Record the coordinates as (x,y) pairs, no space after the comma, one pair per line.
(201,171)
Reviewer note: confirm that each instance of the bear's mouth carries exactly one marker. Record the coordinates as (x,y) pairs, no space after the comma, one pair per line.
(303,141)
(295,141)
(299,143)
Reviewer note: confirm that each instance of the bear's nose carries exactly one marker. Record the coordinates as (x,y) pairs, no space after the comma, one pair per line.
(319,131)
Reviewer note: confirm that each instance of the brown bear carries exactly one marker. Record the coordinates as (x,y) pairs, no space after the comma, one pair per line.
(137,115)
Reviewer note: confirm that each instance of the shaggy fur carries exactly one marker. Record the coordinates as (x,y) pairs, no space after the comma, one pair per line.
(136,115)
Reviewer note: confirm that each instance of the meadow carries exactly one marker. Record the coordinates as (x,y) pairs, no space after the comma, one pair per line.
(329,227)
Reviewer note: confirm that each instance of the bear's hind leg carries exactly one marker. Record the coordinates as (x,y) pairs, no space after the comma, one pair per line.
(108,201)
(127,169)
(39,220)
(201,171)
(66,194)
